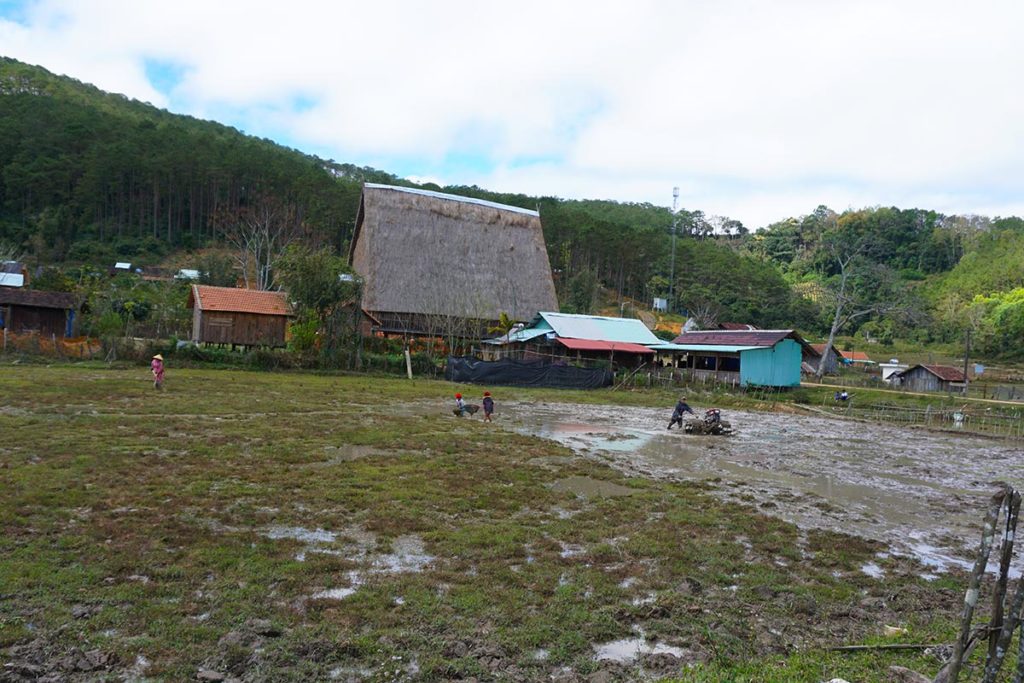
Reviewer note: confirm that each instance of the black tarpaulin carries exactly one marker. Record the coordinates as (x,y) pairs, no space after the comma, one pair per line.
(525,374)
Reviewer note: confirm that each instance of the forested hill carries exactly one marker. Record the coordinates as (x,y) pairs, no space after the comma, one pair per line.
(88,177)
(81,169)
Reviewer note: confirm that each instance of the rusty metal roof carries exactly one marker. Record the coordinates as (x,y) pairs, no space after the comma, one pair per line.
(31,297)
(759,338)
(597,345)
(943,372)
(233,300)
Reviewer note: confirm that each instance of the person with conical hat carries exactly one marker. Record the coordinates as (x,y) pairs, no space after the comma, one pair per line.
(157,368)
(488,406)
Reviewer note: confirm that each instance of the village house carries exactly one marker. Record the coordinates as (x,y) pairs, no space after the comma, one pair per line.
(932,378)
(441,265)
(13,274)
(238,317)
(856,358)
(51,314)
(569,337)
(768,358)
(813,357)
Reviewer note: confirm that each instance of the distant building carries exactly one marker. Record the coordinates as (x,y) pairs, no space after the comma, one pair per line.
(13,274)
(891,370)
(239,317)
(428,259)
(624,342)
(31,311)
(932,378)
(736,326)
(856,358)
(769,358)
(832,356)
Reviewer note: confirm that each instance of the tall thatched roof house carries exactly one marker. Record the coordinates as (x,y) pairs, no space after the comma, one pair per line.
(427,256)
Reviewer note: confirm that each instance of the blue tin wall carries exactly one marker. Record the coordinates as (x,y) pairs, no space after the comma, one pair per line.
(778,366)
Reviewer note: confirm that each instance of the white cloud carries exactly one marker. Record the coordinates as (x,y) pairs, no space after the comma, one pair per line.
(758,110)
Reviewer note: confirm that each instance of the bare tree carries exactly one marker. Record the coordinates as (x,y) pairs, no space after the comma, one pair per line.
(259,234)
(849,301)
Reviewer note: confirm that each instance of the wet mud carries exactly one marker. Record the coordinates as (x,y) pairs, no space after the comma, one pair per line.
(923,493)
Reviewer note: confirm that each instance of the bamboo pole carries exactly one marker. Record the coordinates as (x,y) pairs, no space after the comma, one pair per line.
(952,669)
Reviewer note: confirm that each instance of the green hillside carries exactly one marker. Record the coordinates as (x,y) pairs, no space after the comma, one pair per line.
(88,177)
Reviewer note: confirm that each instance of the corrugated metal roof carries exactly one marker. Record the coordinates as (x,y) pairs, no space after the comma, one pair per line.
(758,338)
(452,197)
(38,299)
(597,345)
(527,334)
(711,348)
(232,300)
(12,280)
(574,326)
(943,372)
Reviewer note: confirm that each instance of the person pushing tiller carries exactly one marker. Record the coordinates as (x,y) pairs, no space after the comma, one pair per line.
(677,414)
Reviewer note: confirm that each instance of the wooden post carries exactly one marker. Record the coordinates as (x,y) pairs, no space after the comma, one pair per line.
(408,362)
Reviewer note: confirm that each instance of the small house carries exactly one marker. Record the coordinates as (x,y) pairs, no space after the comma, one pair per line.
(813,357)
(892,370)
(932,378)
(769,358)
(13,274)
(51,314)
(856,358)
(566,337)
(239,317)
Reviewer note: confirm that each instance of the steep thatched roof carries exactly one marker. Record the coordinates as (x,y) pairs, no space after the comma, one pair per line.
(437,254)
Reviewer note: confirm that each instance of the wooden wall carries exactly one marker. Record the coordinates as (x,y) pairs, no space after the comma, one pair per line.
(243,329)
(45,321)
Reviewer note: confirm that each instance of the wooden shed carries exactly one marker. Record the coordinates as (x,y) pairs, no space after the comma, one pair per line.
(242,317)
(932,378)
(428,258)
(31,311)
(813,356)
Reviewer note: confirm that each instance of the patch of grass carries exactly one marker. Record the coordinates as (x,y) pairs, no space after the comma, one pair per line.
(138,522)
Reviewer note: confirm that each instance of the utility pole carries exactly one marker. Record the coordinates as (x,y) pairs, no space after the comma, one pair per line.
(967,352)
(672,271)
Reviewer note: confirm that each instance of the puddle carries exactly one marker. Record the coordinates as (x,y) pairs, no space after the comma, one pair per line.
(585,487)
(355,581)
(571,550)
(407,555)
(627,650)
(873,570)
(299,533)
(922,493)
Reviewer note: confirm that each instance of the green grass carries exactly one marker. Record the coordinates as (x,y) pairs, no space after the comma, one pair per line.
(146,513)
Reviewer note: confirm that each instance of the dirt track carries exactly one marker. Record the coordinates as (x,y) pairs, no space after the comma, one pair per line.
(922,493)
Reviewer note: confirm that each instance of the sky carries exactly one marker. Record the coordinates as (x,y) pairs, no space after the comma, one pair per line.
(756,110)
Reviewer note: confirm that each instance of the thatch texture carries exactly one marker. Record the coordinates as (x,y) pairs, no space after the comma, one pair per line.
(433,254)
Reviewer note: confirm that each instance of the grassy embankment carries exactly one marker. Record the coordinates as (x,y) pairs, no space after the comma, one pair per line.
(138,523)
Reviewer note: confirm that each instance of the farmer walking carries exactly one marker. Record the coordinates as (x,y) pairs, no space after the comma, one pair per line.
(488,406)
(157,368)
(677,414)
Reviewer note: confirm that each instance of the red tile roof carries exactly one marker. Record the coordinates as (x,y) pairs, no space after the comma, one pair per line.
(232,300)
(595,345)
(855,356)
(736,326)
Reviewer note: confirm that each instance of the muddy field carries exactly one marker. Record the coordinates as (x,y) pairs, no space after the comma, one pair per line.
(920,492)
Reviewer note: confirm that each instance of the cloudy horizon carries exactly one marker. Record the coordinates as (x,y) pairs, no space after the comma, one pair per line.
(757,111)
